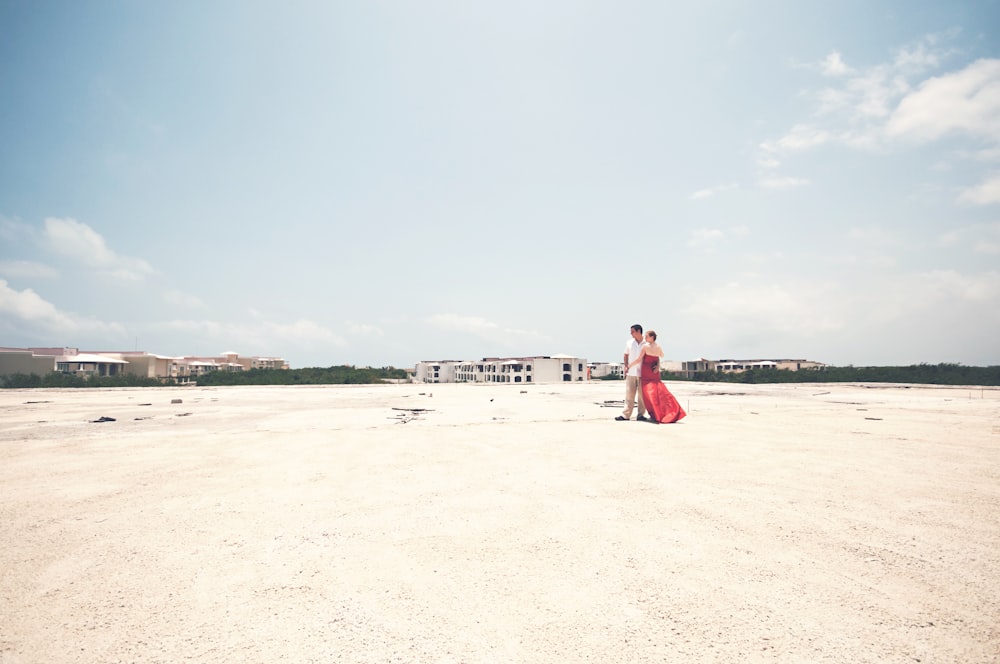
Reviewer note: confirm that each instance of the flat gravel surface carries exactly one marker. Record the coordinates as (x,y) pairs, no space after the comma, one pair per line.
(500,523)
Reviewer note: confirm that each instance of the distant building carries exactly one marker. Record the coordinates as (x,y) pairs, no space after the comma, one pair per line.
(617,369)
(146,365)
(436,371)
(701,365)
(41,361)
(730,366)
(25,361)
(533,369)
(607,369)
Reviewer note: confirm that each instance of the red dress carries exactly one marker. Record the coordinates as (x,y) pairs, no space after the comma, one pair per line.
(660,403)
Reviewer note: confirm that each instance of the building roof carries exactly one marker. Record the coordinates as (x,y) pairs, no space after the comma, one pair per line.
(90,358)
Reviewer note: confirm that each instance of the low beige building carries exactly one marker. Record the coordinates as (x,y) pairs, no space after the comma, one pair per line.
(24,361)
(41,361)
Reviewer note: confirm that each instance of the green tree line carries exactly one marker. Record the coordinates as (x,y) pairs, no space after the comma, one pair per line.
(929,374)
(59,379)
(337,375)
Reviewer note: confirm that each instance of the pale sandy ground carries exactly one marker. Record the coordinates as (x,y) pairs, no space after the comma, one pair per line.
(806,523)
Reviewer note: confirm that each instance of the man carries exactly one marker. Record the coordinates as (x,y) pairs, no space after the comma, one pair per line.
(632,389)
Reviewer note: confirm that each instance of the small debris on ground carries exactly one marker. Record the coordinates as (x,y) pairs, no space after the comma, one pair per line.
(409,414)
(103,418)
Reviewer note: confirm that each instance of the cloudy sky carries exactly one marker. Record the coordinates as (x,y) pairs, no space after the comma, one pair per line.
(378,183)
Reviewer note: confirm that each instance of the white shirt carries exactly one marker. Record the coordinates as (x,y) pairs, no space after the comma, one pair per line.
(633,348)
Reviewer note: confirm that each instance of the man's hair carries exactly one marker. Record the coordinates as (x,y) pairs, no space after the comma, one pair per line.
(637,328)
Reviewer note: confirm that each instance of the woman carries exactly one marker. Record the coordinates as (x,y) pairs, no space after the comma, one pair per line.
(660,403)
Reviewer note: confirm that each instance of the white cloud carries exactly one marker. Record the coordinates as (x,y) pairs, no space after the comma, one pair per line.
(941,285)
(834,65)
(766,309)
(711,191)
(803,137)
(27,269)
(985,193)
(28,309)
(79,241)
(365,330)
(872,95)
(484,329)
(964,101)
(775,182)
(180,299)
(265,336)
(29,306)
(13,230)
(707,238)
(939,315)
(701,237)
(873,235)
(978,238)
(872,108)
(918,58)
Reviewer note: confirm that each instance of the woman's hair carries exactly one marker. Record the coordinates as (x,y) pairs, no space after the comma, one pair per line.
(652,334)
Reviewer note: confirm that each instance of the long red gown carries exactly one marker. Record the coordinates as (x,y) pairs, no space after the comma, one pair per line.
(660,403)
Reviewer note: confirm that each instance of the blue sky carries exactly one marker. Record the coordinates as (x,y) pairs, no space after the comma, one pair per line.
(379,183)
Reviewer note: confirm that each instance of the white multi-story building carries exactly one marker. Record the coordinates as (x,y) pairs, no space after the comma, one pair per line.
(440,371)
(534,369)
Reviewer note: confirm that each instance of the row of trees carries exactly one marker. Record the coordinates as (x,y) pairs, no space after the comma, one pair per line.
(929,374)
(58,379)
(337,375)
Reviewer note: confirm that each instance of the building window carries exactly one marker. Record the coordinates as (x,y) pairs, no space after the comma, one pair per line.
(567,378)
(566,367)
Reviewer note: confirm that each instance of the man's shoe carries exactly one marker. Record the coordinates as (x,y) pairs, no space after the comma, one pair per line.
(620,418)
(642,418)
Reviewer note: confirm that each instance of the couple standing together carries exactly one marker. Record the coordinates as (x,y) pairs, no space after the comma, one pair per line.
(642,380)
